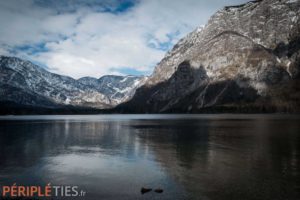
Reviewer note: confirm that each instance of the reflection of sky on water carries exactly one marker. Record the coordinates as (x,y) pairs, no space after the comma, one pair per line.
(250,158)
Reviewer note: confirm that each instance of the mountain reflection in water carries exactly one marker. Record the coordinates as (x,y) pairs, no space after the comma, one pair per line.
(189,156)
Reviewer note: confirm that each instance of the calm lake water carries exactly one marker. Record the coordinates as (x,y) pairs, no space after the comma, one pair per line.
(213,157)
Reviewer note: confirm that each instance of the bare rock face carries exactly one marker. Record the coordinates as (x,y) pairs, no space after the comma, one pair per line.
(246,57)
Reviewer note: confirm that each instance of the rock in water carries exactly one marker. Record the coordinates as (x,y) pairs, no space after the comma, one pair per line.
(145,190)
(159,190)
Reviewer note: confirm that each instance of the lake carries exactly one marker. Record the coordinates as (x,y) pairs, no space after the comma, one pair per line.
(209,157)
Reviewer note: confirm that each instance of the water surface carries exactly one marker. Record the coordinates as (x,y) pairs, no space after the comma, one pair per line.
(189,156)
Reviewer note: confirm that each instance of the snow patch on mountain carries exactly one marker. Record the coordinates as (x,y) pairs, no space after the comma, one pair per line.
(18,77)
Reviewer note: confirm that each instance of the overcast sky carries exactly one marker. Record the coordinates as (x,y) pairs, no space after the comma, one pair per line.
(96,37)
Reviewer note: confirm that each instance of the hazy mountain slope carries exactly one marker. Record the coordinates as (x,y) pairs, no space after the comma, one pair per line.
(247,56)
(117,88)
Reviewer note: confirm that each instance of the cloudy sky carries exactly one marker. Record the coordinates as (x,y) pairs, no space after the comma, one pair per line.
(96,37)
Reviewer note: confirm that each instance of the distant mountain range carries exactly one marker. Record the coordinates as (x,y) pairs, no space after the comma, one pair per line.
(245,59)
(23,84)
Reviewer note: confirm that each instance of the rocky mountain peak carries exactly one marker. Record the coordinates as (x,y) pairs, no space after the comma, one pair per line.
(250,51)
(266,24)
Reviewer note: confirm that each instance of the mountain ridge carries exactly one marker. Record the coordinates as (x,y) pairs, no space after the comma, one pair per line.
(25,83)
(249,55)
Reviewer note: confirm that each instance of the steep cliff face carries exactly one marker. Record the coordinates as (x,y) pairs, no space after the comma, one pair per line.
(23,83)
(246,56)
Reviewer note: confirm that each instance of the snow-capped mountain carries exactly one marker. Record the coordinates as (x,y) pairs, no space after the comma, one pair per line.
(247,57)
(25,83)
(117,88)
